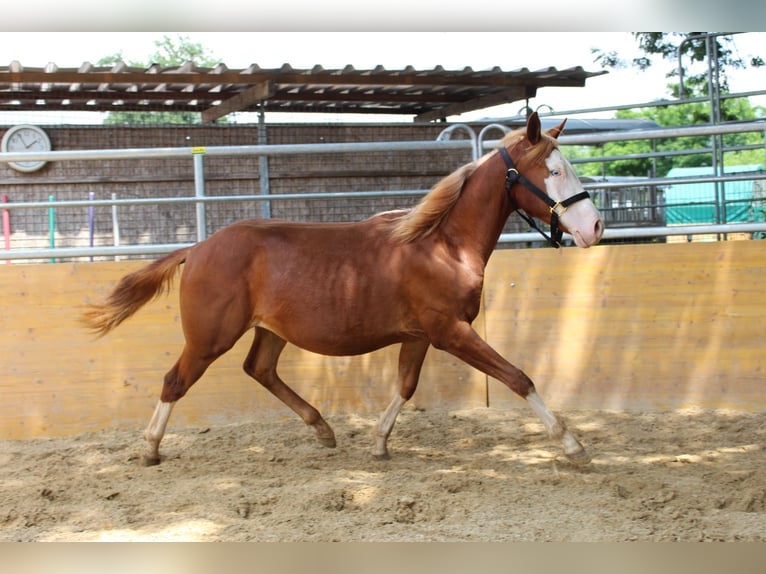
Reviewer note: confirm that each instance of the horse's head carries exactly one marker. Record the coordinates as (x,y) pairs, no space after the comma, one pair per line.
(535,164)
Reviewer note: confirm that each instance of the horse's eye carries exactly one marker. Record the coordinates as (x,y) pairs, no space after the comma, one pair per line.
(555,172)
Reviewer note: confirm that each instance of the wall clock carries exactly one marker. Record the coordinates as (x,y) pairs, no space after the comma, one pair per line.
(25,138)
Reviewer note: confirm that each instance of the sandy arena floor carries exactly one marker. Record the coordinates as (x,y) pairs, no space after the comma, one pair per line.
(459,475)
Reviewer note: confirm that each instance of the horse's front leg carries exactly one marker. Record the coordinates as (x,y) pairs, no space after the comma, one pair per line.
(463,342)
(557,429)
(411,357)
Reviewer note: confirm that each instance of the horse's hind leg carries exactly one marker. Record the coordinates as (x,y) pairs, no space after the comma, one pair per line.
(187,370)
(261,364)
(154,432)
(411,357)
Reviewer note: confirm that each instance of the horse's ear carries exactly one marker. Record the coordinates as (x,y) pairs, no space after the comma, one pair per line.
(555,132)
(533,128)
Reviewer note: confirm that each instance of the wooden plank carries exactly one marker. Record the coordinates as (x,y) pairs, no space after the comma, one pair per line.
(510,95)
(633,327)
(256,93)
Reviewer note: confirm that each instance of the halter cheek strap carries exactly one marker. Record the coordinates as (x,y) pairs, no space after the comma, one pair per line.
(557,208)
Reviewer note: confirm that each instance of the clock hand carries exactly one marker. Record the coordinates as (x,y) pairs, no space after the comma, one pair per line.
(21,138)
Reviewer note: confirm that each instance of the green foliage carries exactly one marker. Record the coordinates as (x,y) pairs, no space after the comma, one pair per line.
(171,52)
(736,109)
(732,109)
(175,52)
(693,51)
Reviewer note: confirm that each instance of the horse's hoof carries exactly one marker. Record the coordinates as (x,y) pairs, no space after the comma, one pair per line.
(328,441)
(149,460)
(579,457)
(384,456)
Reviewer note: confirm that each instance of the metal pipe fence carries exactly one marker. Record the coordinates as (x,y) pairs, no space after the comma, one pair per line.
(505,239)
(474,145)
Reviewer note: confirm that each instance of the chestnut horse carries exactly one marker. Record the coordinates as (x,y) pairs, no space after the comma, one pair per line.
(412,277)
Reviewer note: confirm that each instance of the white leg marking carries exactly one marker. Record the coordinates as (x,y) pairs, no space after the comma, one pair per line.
(552,424)
(156,430)
(385,425)
(557,429)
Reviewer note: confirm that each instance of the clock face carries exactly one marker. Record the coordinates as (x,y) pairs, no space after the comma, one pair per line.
(25,139)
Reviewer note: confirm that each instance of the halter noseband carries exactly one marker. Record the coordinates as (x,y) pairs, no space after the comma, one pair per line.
(557,208)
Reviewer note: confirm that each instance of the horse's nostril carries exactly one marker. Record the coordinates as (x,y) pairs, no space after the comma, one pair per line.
(599,229)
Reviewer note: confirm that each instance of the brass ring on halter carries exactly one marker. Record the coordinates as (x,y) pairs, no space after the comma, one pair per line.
(558,204)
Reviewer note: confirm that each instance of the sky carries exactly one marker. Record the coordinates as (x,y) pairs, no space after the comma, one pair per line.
(396,50)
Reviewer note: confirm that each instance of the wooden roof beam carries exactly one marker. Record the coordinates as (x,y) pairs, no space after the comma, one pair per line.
(506,97)
(257,93)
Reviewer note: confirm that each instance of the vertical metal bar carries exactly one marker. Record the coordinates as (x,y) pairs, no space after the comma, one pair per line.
(653,199)
(715,117)
(263,166)
(115,226)
(7,228)
(198,154)
(91,222)
(52,225)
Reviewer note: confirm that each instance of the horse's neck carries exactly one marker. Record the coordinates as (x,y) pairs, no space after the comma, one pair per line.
(477,219)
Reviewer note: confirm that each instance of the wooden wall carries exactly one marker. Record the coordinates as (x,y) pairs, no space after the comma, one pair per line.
(634,327)
(639,327)
(57,379)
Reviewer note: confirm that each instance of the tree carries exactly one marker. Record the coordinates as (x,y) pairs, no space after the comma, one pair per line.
(694,51)
(170,52)
(673,116)
(693,47)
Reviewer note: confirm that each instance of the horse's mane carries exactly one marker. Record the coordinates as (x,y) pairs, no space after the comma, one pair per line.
(434,207)
(426,215)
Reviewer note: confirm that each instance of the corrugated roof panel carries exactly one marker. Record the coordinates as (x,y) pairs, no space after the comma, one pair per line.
(427,94)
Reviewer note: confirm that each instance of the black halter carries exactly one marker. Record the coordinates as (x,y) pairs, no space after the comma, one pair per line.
(557,208)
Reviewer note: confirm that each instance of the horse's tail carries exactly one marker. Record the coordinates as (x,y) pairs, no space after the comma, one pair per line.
(133,292)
